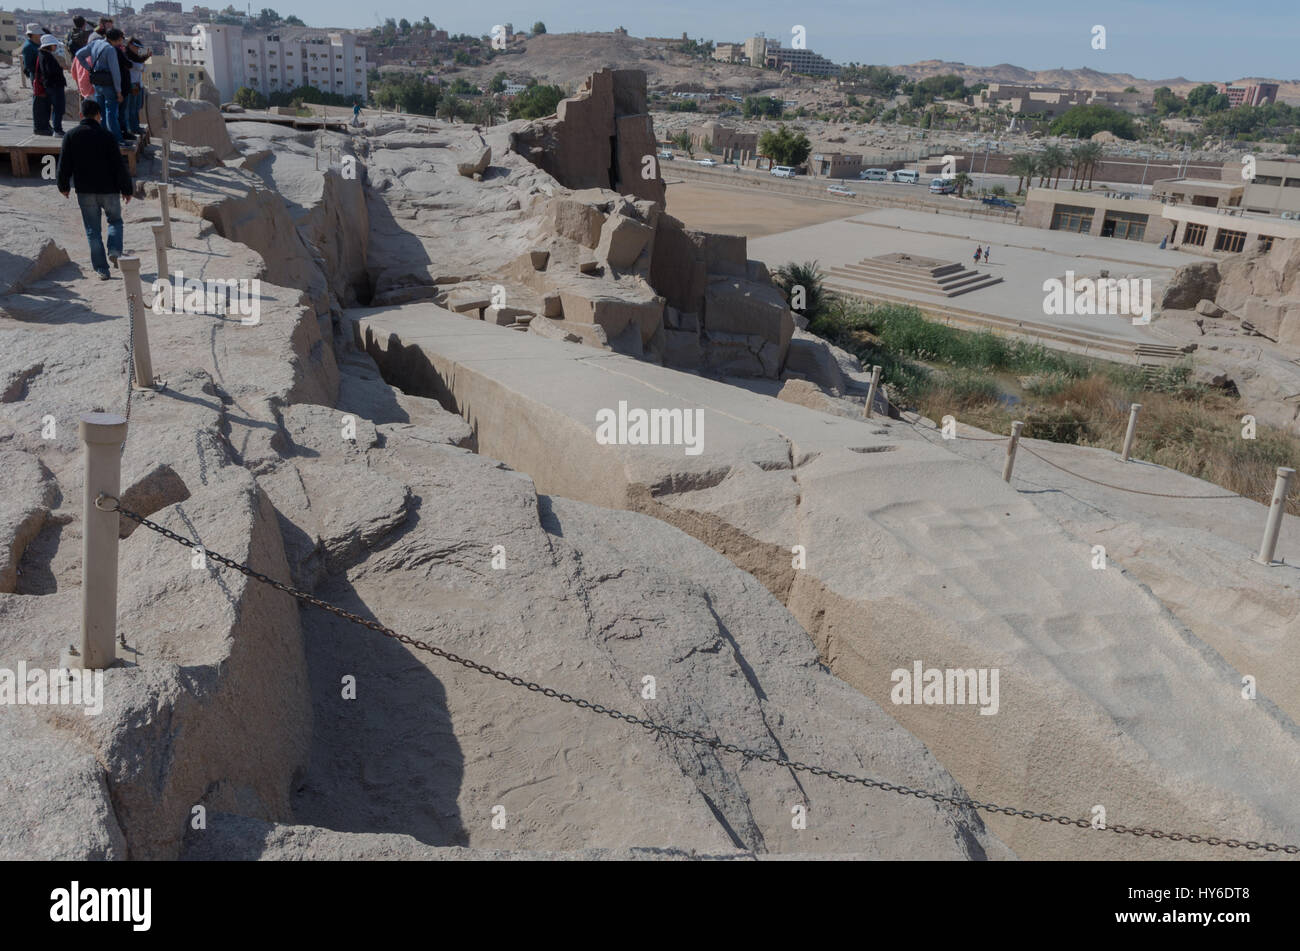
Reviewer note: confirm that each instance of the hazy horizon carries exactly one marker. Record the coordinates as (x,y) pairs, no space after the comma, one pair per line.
(1151,40)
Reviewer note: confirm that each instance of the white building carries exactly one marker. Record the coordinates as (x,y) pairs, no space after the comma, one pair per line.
(333,63)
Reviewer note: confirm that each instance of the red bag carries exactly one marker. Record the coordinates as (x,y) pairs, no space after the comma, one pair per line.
(38,87)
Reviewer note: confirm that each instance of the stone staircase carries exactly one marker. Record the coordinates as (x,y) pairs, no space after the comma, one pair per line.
(919,275)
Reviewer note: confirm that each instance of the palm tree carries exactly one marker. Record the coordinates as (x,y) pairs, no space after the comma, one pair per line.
(489,111)
(1024,166)
(810,277)
(1086,157)
(961,181)
(1079,156)
(1095,152)
(1054,159)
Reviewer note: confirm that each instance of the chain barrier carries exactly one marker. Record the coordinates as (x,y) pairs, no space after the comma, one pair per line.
(916,424)
(712,742)
(1107,485)
(1159,495)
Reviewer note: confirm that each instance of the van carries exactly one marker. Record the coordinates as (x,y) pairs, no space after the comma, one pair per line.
(783,171)
(943,186)
(906,175)
(873,174)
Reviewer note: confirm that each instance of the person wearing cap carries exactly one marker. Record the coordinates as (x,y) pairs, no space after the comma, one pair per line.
(40,105)
(91,162)
(52,81)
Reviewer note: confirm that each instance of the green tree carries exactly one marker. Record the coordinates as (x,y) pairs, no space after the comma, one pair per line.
(762,107)
(539,28)
(292,20)
(783,146)
(404,25)
(1054,159)
(498,83)
(249,98)
(1199,98)
(535,102)
(961,180)
(1084,122)
(1023,166)
(1086,156)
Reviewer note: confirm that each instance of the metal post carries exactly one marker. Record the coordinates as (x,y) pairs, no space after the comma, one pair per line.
(1132,429)
(164,204)
(871,393)
(1011,450)
(1275,512)
(140,332)
(103,435)
(166,154)
(160,250)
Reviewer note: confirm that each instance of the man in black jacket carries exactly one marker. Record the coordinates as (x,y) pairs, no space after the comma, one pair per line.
(91,161)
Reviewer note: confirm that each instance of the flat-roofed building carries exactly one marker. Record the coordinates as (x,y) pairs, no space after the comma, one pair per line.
(725,140)
(162,74)
(1223,216)
(729,52)
(800,61)
(1258,94)
(332,63)
(834,164)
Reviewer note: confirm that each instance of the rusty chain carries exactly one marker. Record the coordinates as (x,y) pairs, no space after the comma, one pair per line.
(691,736)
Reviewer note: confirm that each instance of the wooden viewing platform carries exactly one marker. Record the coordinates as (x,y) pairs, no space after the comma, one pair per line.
(19,142)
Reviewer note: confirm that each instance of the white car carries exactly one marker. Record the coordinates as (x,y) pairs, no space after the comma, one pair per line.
(706,162)
(783,171)
(666,155)
(842,190)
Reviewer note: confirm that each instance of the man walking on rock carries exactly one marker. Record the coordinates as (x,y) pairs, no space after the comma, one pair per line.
(92,163)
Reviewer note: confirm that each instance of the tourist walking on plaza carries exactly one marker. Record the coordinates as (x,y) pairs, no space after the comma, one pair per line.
(92,163)
(99,57)
(49,74)
(977,254)
(986,253)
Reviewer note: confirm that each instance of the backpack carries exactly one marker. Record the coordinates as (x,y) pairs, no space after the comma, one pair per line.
(38,87)
(76,40)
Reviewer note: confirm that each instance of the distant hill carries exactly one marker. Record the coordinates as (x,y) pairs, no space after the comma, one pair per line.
(566,59)
(1074,78)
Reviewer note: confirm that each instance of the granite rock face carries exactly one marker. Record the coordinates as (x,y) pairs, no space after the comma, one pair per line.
(598,138)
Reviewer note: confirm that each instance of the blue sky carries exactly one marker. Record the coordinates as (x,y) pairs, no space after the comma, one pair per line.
(1198,39)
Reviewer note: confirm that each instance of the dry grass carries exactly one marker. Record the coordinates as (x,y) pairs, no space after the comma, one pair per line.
(1188,428)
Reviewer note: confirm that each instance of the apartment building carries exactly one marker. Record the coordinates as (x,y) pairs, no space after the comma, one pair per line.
(10,40)
(799,61)
(729,52)
(333,63)
(161,73)
(1256,95)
